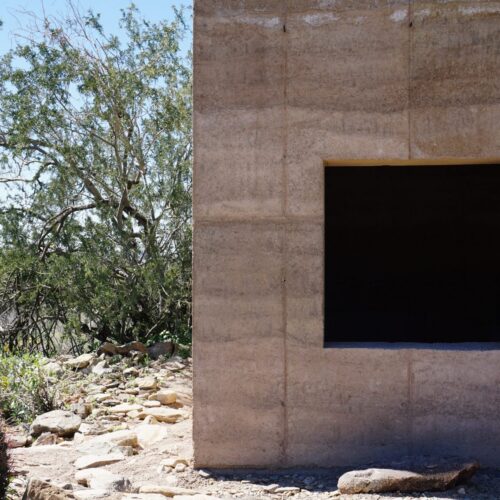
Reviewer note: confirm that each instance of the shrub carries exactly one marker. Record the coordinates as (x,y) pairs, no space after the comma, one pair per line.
(4,465)
(25,390)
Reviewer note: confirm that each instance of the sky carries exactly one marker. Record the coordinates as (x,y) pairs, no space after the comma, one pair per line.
(153,10)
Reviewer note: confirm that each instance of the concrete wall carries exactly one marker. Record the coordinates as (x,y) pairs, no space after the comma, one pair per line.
(280,87)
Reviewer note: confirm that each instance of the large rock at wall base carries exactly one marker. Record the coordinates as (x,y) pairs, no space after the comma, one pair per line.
(100,479)
(390,480)
(40,490)
(60,422)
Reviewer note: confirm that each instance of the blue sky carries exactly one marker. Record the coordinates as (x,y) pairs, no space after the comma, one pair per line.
(109,10)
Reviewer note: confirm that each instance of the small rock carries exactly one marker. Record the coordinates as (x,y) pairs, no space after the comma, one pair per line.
(162,414)
(180,467)
(131,372)
(93,461)
(462,491)
(166,397)
(16,441)
(100,479)
(80,362)
(147,383)
(205,474)
(150,434)
(101,368)
(53,368)
(150,420)
(45,439)
(83,410)
(60,422)
(41,490)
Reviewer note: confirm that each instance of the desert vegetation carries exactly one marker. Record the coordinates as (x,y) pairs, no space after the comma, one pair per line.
(95,183)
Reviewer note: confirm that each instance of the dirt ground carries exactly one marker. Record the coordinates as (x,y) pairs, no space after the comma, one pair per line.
(55,463)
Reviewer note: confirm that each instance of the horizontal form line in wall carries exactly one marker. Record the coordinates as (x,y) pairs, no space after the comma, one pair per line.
(259,218)
(400,162)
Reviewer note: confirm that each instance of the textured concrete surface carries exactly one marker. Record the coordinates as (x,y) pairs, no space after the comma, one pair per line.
(280,88)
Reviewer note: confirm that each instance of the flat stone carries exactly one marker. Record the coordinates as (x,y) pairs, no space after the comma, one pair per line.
(60,422)
(100,479)
(109,441)
(390,480)
(125,408)
(152,404)
(166,397)
(92,461)
(167,415)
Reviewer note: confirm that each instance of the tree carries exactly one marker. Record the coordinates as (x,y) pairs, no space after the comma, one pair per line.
(95,181)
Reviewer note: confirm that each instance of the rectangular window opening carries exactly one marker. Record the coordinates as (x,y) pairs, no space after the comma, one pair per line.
(412,254)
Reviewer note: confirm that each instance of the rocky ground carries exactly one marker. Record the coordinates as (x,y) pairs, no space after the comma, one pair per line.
(125,433)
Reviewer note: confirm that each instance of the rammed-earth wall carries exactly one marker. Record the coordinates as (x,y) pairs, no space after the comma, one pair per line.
(281,87)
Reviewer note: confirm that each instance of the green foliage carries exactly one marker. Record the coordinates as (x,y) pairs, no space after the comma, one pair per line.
(95,166)
(25,390)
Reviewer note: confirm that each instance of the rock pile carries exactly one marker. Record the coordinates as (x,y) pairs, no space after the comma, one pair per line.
(115,404)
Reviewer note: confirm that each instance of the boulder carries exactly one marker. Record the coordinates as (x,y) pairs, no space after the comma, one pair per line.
(40,490)
(391,480)
(60,422)
(80,362)
(100,479)
(167,415)
(93,461)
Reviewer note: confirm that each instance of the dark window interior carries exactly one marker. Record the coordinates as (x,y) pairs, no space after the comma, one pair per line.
(412,254)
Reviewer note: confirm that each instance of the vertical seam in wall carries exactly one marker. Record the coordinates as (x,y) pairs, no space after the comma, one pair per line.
(410,402)
(410,58)
(410,155)
(285,236)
